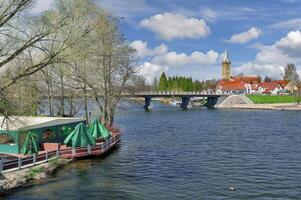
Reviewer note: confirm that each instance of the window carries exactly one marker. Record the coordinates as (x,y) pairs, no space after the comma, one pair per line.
(6,139)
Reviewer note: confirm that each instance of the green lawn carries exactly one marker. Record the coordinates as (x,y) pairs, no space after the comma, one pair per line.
(262,99)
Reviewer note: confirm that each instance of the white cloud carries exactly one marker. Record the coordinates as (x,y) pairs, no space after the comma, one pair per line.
(291,44)
(158,59)
(143,50)
(233,13)
(150,71)
(288,24)
(270,60)
(255,69)
(169,26)
(173,59)
(128,9)
(209,14)
(246,36)
(42,5)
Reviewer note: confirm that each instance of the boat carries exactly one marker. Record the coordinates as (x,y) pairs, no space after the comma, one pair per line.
(175,102)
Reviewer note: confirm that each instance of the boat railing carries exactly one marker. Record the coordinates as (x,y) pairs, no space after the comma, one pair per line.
(43,157)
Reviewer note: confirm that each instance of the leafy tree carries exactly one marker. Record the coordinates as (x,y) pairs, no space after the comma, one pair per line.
(163,84)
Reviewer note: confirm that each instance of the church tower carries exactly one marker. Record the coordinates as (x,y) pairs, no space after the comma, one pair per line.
(226,67)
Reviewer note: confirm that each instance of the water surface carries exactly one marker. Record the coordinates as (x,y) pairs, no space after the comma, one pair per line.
(196,154)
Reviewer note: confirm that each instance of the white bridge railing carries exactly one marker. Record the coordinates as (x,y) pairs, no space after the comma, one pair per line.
(20,163)
(209,92)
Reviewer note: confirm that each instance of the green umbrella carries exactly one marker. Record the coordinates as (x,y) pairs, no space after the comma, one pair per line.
(97,130)
(30,145)
(79,137)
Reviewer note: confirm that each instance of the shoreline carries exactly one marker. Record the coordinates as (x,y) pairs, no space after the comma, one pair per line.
(278,106)
(15,179)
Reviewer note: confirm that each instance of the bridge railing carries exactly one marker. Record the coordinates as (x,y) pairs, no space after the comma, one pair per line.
(203,92)
(179,93)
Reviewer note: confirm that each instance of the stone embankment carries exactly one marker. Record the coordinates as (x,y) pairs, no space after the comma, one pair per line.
(243,102)
(14,179)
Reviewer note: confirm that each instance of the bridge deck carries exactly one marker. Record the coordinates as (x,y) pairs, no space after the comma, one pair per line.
(174,94)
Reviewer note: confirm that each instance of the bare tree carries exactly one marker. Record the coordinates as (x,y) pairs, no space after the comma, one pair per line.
(74,48)
(290,73)
(42,41)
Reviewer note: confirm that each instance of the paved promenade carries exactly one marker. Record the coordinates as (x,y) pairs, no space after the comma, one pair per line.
(282,106)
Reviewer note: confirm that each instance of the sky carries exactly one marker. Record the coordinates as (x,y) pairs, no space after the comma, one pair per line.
(188,38)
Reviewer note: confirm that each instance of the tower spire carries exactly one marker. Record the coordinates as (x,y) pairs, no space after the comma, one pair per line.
(226,66)
(226,55)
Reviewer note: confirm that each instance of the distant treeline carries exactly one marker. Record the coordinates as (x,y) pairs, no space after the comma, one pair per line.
(181,83)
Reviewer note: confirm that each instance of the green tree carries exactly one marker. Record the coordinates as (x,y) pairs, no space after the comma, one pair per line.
(163,84)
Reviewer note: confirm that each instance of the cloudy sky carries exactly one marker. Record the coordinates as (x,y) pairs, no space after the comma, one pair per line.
(189,37)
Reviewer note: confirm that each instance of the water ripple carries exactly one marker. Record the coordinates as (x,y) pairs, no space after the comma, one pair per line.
(199,154)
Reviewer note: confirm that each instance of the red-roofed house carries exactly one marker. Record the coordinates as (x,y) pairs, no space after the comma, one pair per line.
(233,87)
(269,87)
(253,80)
(288,85)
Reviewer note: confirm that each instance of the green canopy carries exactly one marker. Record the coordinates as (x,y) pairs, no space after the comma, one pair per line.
(79,137)
(97,130)
(30,145)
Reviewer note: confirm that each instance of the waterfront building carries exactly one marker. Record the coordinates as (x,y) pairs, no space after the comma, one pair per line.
(288,86)
(250,84)
(49,130)
(226,67)
(269,88)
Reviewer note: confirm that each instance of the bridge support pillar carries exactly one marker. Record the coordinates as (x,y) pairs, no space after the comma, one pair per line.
(147,102)
(211,102)
(185,102)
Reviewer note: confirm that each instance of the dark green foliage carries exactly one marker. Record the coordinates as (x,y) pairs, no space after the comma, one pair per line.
(163,84)
(178,83)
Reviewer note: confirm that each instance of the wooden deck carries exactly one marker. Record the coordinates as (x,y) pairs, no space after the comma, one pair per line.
(95,150)
(67,152)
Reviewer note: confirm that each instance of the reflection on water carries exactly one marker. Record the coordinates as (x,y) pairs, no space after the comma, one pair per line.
(197,154)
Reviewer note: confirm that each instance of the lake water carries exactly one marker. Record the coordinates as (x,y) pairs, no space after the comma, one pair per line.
(169,153)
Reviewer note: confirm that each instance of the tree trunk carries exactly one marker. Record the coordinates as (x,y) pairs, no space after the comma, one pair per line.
(50,94)
(62,106)
(86,104)
(71,105)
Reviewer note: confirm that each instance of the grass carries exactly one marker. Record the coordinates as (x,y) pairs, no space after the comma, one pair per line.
(54,162)
(35,171)
(267,99)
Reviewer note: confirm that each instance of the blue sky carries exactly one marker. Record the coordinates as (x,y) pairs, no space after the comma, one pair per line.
(189,37)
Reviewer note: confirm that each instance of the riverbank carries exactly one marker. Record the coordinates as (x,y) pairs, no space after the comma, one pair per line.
(243,102)
(278,106)
(15,179)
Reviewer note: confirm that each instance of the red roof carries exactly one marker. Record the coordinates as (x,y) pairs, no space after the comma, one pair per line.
(266,91)
(232,85)
(283,83)
(269,85)
(247,79)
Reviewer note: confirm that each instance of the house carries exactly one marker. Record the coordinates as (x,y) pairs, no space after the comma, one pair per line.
(287,85)
(269,88)
(233,87)
(48,130)
(253,80)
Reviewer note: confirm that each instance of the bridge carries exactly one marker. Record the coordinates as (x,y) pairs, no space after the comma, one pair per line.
(212,98)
